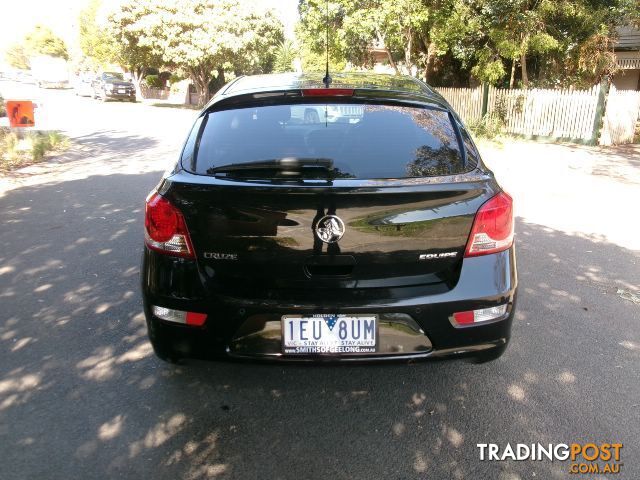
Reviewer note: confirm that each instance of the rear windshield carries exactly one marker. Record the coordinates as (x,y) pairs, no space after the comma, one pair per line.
(362,141)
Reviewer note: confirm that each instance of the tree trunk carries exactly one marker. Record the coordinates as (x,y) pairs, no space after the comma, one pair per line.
(431,52)
(393,64)
(137,74)
(220,79)
(407,52)
(201,87)
(513,73)
(200,77)
(525,77)
(523,60)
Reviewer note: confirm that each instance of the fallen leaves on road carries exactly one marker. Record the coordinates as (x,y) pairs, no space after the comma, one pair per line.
(626,295)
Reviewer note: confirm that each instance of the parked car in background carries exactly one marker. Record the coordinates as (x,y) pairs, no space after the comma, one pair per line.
(379,235)
(82,85)
(112,85)
(23,76)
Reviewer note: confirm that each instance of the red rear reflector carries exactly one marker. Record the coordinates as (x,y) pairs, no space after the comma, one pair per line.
(327,92)
(463,318)
(165,228)
(196,319)
(492,229)
(179,316)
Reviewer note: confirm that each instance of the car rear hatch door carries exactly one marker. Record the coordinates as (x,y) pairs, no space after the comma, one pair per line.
(272,237)
(381,196)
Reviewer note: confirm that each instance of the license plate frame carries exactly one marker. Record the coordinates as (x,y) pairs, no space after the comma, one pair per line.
(330,342)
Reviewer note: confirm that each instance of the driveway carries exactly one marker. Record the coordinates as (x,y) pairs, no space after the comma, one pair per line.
(82,396)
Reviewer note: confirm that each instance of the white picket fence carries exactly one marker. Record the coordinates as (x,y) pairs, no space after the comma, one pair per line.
(546,113)
(562,114)
(623,111)
(467,102)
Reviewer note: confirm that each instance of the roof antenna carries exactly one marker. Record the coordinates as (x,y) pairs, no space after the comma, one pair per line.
(327,78)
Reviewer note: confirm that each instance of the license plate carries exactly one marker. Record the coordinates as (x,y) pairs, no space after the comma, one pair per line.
(122,91)
(329,334)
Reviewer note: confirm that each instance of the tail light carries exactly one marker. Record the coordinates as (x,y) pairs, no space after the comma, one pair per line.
(165,228)
(492,228)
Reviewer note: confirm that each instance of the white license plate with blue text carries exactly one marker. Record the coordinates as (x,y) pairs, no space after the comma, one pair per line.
(329,334)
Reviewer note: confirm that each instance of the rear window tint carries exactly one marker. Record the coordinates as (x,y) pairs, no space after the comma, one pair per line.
(363,141)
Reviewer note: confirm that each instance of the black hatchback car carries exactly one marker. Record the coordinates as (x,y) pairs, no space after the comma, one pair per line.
(305,223)
(112,85)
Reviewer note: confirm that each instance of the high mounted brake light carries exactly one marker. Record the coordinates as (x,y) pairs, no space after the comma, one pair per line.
(165,228)
(492,230)
(327,92)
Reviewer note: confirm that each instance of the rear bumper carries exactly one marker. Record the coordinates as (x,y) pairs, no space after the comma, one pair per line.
(120,96)
(245,328)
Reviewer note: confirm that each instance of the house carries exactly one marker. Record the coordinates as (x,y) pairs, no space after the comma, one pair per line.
(627,50)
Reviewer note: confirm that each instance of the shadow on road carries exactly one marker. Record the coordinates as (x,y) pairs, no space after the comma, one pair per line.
(80,390)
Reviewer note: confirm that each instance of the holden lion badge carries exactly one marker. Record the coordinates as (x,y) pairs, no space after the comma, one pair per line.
(330,229)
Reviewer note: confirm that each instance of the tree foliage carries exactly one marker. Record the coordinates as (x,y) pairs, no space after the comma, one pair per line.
(17,57)
(411,32)
(208,40)
(42,41)
(97,44)
(205,40)
(127,28)
(285,54)
(544,42)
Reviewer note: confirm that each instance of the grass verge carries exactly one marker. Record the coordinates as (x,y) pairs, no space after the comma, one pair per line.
(18,149)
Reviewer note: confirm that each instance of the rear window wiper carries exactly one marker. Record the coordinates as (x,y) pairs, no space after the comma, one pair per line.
(282,166)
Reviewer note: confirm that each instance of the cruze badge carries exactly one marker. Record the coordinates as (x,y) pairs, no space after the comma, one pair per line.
(221,256)
(330,229)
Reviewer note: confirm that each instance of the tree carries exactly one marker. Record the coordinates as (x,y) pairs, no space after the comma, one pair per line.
(97,44)
(17,57)
(285,55)
(553,42)
(559,37)
(42,41)
(209,39)
(126,26)
(409,31)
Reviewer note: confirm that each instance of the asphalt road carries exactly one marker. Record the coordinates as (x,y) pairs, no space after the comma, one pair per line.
(83,397)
